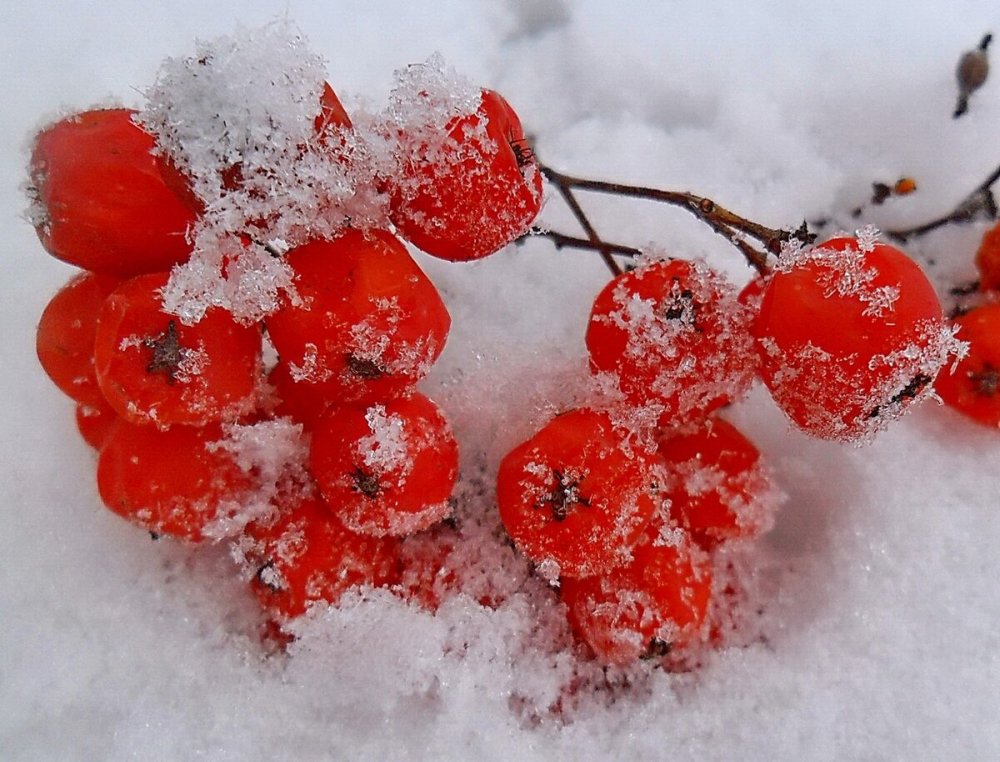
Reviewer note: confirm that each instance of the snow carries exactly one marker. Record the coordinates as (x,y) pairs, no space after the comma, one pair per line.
(879,638)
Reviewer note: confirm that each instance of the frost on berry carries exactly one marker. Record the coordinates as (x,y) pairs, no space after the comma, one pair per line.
(675,337)
(257,165)
(850,334)
(274,453)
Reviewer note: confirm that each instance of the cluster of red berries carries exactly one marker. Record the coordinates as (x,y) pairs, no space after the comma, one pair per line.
(300,431)
(180,409)
(627,506)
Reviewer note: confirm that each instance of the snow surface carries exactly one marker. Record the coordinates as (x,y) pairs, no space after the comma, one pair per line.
(882,630)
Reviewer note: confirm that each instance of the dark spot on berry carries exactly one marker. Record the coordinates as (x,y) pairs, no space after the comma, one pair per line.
(270,585)
(986,383)
(656,649)
(564,496)
(168,354)
(365,483)
(908,392)
(364,368)
(523,152)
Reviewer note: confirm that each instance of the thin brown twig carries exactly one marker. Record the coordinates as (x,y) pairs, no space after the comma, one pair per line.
(581,217)
(561,240)
(720,219)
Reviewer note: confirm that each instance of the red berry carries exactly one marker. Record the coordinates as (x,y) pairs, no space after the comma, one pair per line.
(850,334)
(386,469)
(717,488)
(65,338)
(101,202)
(649,608)
(368,324)
(672,335)
(988,259)
(303,402)
(469,187)
(575,497)
(974,387)
(95,423)
(154,369)
(306,555)
(171,482)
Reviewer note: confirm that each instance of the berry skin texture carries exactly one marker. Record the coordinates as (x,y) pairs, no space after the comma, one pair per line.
(849,334)
(467,188)
(101,203)
(95,423)
(169,482)
(573,498)
(306,555)
(988,260)
(387,469)
(973,388)
(153,369)
(368,323)
(717,488)
(65,339)
(654,606)
(672,335)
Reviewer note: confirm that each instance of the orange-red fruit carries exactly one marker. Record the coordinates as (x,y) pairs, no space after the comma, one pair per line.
(306,555)
(654,606)
(65,339)
(974,387)
(717,488)
(672,335)
(988,259)
(850,334)
(95,423)
(101,202)
(154,369)
(303,402)
(368,324)
(172,482)
(387,468)
(575,497)
(469,187)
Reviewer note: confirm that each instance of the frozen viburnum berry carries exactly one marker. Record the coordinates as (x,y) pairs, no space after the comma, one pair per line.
(651,608)
(99,201)
(576,496)
(673,336)
(717,487)
(388,468)
(155,369)
(468,185)
(367,323)
(850,333)
(173,482)
(973,387)
(305,554)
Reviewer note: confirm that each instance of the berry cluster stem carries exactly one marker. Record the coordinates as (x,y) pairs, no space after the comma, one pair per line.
(738,230)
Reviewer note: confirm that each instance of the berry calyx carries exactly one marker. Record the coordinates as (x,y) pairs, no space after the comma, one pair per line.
(100,202)
(575,497)
(469,187)
(387,468)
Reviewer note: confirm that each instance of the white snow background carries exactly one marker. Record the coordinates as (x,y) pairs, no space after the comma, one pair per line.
(882,636)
